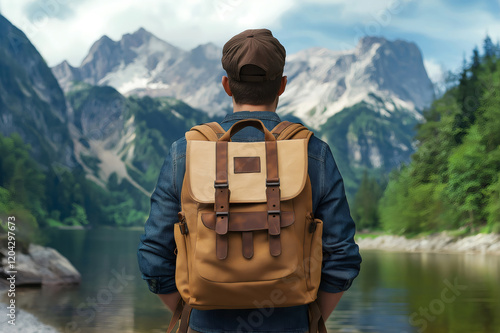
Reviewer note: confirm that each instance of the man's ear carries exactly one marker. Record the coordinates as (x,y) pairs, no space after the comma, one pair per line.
(284,81)
(225,84)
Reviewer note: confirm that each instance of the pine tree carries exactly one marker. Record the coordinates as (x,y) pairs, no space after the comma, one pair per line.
(365,207)
(488,47)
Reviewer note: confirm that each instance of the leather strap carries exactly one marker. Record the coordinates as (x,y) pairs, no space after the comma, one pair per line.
(221,246)
(276,131)
(176,315)
(248,221)
(216,128)
(273,198)
(186,314)
(209,131)
(221,205)
(247,244)
(248,122)
(287,130)
(316,321)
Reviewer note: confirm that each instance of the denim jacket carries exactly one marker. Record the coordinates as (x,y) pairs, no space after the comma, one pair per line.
(341,258)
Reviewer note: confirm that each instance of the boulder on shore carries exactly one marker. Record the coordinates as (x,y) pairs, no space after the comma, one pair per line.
(40,265)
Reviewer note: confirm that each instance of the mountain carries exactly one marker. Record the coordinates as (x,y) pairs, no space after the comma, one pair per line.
(142,64)
(128,137)
(122,142)
(31,101)
(324,82)
(321,82)
(365,101)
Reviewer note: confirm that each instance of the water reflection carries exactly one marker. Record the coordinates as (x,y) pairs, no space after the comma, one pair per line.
(395,292)
(422,292)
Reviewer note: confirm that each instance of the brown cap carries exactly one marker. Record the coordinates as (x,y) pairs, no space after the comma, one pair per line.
(256,47)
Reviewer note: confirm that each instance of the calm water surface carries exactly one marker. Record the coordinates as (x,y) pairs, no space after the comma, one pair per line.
(395,292)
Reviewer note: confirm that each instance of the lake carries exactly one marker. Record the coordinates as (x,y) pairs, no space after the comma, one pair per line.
(395,292)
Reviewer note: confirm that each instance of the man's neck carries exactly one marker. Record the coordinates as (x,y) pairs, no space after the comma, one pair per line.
(249,107)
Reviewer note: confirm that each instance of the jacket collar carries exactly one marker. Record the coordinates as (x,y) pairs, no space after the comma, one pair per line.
(261,115)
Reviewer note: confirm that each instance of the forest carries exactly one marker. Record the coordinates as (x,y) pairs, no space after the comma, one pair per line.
(453,179)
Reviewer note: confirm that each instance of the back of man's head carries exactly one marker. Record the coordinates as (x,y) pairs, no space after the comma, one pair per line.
(254,61)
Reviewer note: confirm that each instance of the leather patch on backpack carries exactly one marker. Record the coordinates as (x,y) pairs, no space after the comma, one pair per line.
(247,164)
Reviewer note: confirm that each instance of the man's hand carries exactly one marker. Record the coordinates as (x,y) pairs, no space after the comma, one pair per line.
(170,300)
(328,302)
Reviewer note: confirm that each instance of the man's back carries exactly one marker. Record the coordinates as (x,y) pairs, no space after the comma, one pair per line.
(328,204)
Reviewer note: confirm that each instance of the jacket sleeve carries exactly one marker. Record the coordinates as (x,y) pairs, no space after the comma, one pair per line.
(156,248)
(341,258)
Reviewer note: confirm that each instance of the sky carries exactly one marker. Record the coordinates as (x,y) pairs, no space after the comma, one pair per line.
(446,31)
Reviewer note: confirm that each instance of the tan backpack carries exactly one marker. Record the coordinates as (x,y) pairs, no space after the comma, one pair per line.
(246,236)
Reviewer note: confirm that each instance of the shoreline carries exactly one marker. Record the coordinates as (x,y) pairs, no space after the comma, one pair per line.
(24,322)
(435,243)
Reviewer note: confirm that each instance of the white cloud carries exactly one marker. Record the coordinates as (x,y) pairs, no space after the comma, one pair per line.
(442,20)
(66,29)
(435,71)
(185,24)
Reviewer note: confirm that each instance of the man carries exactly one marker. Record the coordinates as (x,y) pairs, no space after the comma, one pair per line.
(254,61)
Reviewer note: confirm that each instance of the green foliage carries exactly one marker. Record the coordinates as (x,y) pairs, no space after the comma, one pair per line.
(60,197)
(92,162)
(435,138)
(453,178)
(21,187)
(409,207)
(78,216)
(365,206)
(468,175)
(493,205)
(19,173)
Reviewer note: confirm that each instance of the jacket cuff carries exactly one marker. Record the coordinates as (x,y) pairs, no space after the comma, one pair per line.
(335,288)
(160,285)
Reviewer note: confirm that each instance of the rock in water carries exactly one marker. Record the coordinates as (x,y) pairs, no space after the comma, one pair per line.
(42,265)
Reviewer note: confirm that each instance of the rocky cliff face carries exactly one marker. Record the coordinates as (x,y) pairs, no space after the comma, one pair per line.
(324,82)
(142,64)
(31,101)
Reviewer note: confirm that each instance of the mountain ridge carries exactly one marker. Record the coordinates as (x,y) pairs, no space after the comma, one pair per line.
(324,82)
(194,76)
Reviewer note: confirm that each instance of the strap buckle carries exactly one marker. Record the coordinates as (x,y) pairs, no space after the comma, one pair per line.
(221,185)
(273,182)
(184,228)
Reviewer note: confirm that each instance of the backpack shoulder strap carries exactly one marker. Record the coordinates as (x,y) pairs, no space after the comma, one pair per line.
(287,130)
(205,132)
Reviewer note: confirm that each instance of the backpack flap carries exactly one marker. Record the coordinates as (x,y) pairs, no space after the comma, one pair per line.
(246,169)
